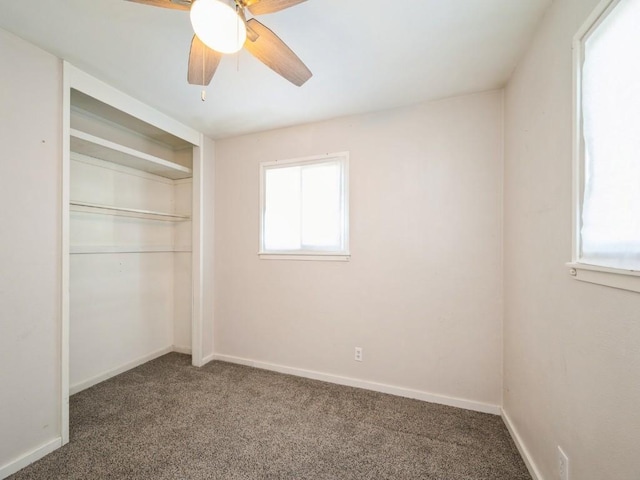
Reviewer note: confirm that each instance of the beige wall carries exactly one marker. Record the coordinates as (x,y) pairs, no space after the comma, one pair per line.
(422,292)
(572,349)
(30,159)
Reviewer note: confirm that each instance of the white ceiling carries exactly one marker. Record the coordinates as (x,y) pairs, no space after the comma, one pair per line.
(366,55)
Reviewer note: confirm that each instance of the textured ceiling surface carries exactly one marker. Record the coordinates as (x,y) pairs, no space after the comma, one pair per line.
(366,55)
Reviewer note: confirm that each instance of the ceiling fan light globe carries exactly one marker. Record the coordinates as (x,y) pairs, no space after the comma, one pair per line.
(218,26)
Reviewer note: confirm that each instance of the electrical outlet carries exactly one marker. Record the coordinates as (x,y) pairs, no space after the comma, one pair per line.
(358,355)
(563,464)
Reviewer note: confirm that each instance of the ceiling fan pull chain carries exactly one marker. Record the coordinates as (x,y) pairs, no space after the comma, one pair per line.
(203,94)
(238,36)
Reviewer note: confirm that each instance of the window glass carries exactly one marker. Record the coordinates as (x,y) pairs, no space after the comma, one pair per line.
(610,232)
(304,206)
(282,217)
(321,206)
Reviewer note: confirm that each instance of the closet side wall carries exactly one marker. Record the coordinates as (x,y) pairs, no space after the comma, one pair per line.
(30,159)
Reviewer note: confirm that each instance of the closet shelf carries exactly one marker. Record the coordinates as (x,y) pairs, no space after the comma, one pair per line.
(107,249)
(87,144)
(86,207)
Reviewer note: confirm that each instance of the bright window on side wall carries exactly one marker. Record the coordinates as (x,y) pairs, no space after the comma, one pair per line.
(607,147)
(305,208)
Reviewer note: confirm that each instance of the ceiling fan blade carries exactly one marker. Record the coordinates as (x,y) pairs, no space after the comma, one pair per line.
(203,63)
(262,7)
(173,4)
(274,53)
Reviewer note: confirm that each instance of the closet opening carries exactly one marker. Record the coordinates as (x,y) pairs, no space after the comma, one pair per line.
(131,267)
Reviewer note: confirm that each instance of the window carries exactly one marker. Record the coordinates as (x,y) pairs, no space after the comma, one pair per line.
(305,208)
(607,147)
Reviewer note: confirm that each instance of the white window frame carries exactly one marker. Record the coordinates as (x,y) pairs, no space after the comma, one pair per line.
(611,277)
(343,255)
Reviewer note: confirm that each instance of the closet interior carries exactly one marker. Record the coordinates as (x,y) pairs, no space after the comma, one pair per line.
(130,246)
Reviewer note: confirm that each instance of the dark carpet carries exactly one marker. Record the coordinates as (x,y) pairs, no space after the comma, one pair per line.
(169,420)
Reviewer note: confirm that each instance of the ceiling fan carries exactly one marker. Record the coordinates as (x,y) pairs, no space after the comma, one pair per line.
(222,28)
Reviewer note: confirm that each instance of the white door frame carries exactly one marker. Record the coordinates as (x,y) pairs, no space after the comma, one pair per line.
(77,79)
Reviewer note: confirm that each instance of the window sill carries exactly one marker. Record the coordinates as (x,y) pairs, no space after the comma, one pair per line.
(321,257)
(610,277)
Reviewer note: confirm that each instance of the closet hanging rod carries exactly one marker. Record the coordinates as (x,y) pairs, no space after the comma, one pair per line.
(111,210)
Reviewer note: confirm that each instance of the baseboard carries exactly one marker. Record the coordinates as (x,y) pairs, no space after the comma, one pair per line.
(185,350)
(208,359)
(78,387)
(27,459)
(367,385)
(524,452)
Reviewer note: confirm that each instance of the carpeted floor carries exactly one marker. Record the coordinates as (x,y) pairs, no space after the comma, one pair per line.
(169,420)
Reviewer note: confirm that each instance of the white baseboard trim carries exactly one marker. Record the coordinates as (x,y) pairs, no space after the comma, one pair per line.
(27,459)
(208,359)
(78,387)
(185,350)
(367,385)
(524,452)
